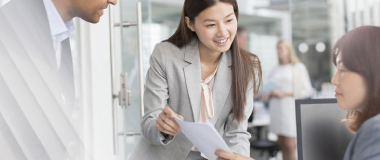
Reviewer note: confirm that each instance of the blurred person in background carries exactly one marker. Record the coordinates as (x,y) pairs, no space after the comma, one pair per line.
(242,37)
(292,81)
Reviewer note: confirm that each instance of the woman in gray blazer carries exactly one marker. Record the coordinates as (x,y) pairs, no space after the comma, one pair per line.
(200,75)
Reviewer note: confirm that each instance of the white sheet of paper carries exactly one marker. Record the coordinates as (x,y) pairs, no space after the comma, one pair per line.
(204,136)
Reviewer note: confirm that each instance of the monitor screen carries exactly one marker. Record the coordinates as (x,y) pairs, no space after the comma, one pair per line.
(320,132)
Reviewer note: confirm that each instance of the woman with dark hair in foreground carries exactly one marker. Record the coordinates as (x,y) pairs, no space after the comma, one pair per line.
(357,80)
(357,58)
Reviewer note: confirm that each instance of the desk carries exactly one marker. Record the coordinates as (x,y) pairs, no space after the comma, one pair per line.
(261,115)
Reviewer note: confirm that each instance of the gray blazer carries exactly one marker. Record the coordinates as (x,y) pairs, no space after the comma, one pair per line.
(174,80)
(366,143)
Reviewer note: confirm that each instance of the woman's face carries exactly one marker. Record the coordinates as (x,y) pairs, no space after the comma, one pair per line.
(351,89)
(215,27)
(283,52)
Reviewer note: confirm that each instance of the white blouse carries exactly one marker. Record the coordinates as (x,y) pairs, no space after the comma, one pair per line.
(207,104)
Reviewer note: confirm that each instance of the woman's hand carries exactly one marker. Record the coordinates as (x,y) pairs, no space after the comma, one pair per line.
(222,155)
(166,124)
(277,94)
(264,95)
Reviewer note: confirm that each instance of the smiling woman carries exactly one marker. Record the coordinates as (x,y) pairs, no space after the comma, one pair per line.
(213,22)
(199,74)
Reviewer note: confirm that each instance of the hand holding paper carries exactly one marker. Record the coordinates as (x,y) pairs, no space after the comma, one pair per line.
(165,122)
(204,137)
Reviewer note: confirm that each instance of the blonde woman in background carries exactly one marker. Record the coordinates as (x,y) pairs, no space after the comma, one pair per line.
(292,79)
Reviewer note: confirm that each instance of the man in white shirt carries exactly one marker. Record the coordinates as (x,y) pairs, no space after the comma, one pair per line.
(36,77)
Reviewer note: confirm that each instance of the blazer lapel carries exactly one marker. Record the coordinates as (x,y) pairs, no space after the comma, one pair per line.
(67,77)
(222,85)
(193,76)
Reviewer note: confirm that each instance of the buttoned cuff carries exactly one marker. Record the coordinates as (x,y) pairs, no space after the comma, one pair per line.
(164,141)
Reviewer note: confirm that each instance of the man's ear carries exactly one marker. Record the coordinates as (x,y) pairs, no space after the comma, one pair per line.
(189,24)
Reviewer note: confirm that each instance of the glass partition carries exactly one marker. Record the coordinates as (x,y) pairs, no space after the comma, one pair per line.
(317,25)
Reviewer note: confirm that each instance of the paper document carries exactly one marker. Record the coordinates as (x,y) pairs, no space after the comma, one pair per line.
(267,88)
(204,136)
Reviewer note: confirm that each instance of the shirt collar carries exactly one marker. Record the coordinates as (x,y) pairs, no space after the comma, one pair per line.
(56,23)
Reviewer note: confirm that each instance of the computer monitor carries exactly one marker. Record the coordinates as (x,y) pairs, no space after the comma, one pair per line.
(320,132)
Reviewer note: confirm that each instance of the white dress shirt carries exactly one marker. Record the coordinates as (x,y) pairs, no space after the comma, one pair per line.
(59,29)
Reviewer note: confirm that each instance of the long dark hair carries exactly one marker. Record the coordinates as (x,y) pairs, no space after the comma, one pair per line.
(246,66)
(360,51)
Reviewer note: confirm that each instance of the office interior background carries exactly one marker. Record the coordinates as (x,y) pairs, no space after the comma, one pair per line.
(103,51)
